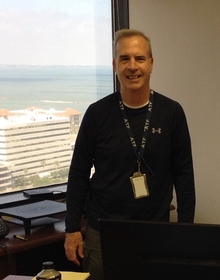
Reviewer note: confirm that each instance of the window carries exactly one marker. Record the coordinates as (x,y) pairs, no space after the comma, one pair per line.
(55,61)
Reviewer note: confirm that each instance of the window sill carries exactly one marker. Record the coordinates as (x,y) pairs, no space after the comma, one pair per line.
(17,198)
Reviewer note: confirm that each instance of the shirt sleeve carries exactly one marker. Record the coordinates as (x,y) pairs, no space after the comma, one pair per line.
(182,163)
(183,168)
(79,173)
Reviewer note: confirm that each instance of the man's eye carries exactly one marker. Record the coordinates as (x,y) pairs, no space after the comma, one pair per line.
(124,59)
(141,59)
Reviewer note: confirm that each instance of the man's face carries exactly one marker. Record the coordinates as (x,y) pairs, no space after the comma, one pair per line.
(132,63)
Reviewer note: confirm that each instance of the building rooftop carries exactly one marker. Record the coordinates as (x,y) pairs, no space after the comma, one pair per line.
(34,114)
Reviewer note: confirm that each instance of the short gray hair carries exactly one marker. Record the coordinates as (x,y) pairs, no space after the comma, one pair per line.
(125,33)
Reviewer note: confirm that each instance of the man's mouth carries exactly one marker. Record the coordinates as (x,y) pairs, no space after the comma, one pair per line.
(133,77)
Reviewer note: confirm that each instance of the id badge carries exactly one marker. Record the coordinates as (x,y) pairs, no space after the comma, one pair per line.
(139,185)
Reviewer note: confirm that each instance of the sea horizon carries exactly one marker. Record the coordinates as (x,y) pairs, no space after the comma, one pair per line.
(53,86)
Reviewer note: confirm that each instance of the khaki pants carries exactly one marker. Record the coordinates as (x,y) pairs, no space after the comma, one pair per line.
(92,261)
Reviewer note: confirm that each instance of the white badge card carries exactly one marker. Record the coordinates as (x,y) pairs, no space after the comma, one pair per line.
(139,185)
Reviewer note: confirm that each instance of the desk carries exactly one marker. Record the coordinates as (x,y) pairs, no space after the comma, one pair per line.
(45,243)
(16,277)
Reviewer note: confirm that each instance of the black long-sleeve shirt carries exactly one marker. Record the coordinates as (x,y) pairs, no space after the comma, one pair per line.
(103,141)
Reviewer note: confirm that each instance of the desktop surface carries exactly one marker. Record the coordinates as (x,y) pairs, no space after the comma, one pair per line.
(18,277)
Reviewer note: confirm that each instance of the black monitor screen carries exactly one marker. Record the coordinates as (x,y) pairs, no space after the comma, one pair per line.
(141,250)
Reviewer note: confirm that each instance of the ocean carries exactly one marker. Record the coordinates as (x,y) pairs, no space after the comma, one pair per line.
(53,87)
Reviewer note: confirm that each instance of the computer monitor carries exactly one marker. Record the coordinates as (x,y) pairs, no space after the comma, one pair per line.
(142,250)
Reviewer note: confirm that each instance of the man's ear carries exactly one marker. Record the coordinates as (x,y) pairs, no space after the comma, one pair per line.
(152,63)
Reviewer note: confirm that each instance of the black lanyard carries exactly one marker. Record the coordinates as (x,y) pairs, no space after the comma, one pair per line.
(139,152)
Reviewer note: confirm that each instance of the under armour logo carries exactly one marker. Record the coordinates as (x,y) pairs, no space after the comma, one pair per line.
(156,130)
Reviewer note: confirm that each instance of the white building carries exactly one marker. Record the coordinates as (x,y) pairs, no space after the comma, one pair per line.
(5,178)
(34,143)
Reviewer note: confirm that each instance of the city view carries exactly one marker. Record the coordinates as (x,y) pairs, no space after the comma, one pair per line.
(53,65)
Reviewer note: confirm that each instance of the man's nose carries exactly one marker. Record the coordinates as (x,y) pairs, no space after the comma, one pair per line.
(132,65)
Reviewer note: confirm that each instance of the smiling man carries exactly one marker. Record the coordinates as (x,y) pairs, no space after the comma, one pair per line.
(139,144)
(133,64)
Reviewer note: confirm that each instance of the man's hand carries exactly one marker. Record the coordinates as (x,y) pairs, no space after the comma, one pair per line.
(74,247)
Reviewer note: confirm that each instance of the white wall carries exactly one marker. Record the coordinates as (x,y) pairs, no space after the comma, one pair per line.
(185,37)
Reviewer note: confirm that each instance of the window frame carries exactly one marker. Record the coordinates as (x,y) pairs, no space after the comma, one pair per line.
(120,19)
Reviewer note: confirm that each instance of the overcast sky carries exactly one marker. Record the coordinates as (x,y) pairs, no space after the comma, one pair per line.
(55,32)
